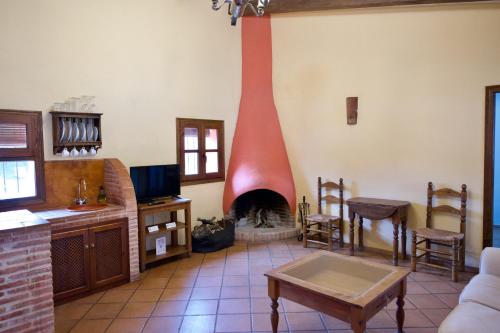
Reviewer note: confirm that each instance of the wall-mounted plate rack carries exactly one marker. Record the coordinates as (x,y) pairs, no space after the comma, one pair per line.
(76,129)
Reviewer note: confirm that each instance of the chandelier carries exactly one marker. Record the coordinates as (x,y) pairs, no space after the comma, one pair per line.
(236,8)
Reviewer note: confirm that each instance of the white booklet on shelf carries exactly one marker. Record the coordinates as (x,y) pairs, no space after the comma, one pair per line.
(161,245)
(170,225)
(153,228)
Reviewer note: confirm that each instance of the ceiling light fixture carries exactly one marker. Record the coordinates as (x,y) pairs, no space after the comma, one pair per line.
(236,8)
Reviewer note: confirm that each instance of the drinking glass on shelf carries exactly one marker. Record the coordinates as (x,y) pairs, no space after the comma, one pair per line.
(85,102)
(58,107)
(91,108)
(90,104)
(74,104)
(65,107)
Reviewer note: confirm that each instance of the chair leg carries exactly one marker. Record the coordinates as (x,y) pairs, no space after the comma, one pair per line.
(341,233)
(330,235)
(413,251)
(454,260)
(304,234)
(427,254)
(462,255)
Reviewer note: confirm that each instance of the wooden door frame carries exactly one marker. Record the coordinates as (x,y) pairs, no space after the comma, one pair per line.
(489,151)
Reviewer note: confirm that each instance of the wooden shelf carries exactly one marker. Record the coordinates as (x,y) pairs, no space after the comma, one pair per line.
(163,229)
(171,206)
(289,6)
(62,114)
(169,203)
(172,250)
(79,144)
(77,117)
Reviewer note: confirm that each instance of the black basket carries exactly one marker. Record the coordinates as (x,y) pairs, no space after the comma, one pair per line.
(216,241)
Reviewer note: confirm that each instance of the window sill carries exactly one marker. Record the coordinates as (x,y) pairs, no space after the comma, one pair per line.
(21,203)
(202,181)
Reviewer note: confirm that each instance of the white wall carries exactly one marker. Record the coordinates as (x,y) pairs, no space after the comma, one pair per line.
(147,62)
(420,76)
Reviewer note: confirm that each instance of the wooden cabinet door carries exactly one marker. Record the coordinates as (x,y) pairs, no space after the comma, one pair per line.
(70,263)
(109,253)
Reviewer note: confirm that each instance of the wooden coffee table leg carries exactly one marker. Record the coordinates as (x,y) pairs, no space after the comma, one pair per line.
(395,243)
(275,317)
(358,323)
(274,293)
(400,312)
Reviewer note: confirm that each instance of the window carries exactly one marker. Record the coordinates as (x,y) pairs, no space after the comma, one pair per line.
(200,150)
(21,158)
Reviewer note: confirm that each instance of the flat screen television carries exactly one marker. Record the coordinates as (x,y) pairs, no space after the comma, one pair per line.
(154,182)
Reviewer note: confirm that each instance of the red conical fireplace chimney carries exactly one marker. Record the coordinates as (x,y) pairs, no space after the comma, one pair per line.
(258,155)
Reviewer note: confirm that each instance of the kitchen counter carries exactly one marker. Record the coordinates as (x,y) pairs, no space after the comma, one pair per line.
(17,219)
(54,215)
(26,273)
(63,218)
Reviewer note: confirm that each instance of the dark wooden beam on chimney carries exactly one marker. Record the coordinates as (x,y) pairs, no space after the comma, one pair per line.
(288,6)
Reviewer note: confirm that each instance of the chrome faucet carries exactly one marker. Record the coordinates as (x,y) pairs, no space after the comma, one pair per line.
(81,194)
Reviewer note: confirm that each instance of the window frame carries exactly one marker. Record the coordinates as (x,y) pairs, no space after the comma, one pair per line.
(33,152)
(201,124)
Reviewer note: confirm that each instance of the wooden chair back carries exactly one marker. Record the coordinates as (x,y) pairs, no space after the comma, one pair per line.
(447,192)
(325,196)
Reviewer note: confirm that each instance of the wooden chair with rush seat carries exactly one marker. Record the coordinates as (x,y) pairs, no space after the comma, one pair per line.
(323,224)
(441,238)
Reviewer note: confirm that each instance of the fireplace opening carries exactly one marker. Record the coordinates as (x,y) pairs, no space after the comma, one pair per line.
(261,209)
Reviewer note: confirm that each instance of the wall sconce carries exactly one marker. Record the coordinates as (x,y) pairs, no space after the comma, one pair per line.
(352,110)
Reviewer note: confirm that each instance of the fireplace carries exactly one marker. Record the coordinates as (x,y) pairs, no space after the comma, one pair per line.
(261,209)
(262,215)
(259,188)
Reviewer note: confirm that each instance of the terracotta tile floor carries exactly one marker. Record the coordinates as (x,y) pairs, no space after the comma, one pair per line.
(225,291)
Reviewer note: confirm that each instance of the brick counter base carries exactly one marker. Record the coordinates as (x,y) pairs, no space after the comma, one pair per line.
(120,190)
(26,280)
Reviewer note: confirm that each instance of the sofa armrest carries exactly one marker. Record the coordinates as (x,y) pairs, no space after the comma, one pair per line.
(490,261)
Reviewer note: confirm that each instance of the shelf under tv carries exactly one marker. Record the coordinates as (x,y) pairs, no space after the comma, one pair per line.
(163,230)
(171,252)
(171,206)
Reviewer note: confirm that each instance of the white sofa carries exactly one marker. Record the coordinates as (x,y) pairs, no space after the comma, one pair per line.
(479,304)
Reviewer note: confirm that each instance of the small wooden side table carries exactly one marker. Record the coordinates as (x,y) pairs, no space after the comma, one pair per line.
(171,205)
(379,209)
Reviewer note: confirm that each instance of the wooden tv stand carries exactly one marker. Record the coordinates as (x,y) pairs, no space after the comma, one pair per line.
(171,205)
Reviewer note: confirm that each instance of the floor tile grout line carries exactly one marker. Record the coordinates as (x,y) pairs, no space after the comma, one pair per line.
(285,314)
(191,293)
(249,287)
(281,257)
(156,303)
(220,293)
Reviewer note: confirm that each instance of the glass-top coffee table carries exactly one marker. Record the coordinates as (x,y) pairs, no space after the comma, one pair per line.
(348,288)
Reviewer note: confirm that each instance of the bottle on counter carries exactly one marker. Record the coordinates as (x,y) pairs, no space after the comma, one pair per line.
(101,198)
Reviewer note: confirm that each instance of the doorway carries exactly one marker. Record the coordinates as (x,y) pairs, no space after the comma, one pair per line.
(491,209)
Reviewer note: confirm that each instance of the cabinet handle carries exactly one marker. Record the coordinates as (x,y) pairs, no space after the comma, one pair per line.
(86,246)
(92,245)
